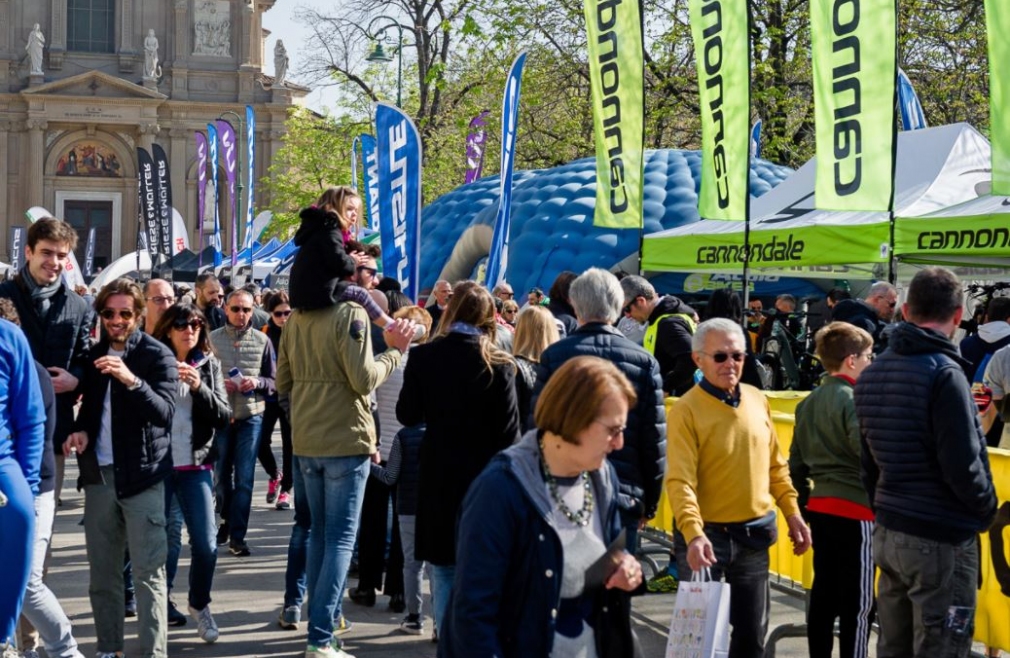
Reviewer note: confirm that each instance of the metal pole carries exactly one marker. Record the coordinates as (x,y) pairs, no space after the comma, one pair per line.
(239,188)
(399,74)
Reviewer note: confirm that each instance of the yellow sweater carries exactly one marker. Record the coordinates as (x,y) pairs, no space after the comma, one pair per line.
(723,465)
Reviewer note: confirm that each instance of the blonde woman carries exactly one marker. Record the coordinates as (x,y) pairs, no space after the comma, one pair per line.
(536,330)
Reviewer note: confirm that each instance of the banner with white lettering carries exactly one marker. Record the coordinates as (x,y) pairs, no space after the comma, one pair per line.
(163,187)
(498,256)
(854,53)
(215,239)
(89,254)
(17,247)
(148,199)
(997,20)
(720,29)
(250,141)
(475,142)
(229,153)
(399,182)
(370,168)
(201,187)
(616,67)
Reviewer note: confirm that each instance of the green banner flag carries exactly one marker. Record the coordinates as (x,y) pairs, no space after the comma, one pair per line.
(997,21)
(616,65)
(855,94)
(720,29)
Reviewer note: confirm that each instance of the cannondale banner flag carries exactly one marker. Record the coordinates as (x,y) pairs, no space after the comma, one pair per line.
(498,256)
(399,176)
(215,239)
(250,139)
(229,151)
(853,45)
(370,163)
(997,18)
(148,198)
(616,66)
(201,186)
(475,147)
(163,188)
(720,29)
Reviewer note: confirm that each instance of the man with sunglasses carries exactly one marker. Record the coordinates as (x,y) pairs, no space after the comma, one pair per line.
(123,447)
(725,475)
(873,313)
(668,334)
(242,348)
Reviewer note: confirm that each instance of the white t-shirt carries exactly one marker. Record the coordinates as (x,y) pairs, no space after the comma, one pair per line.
(103,447)
(997,377)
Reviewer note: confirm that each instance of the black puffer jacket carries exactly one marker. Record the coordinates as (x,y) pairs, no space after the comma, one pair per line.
(322,261)
(211,410)
(924,458)
(673,345)
(641,463)
(141,419)
(60,340)
(860,314)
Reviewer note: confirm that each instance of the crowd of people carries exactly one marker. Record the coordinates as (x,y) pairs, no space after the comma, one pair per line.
(522,449)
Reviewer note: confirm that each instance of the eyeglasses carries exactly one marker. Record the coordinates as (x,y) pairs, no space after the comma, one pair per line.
(370,270)
(112,314)
(869,356)
(722,357)
(281,314)
(194,325)
(613,431)
(162,300)
(240,309)
(510,311)
(507,295)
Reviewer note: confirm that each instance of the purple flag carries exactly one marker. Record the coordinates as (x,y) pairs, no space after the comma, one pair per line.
(229,149)
(475,147)
(201,185)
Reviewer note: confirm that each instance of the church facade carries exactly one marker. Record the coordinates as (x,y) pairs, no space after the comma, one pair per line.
(85,82)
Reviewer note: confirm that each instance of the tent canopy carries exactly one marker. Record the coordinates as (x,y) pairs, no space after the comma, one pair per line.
(936,168)
(973,237)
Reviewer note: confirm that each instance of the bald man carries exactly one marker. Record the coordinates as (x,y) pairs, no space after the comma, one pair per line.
(158,297)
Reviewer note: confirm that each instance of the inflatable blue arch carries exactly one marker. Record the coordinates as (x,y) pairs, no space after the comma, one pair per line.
(552,219)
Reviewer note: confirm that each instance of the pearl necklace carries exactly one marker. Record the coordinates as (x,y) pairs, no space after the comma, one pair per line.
(583,516)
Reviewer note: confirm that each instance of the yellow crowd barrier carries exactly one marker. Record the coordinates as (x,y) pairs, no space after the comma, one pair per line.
(992,614)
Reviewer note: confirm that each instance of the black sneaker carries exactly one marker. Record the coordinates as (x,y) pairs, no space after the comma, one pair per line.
(239,548)
(412,625)
(175,618)
(397,604)
(365,597)
(222,534)
(131,606)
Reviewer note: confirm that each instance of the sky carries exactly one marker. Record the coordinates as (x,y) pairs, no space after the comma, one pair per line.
(281,22)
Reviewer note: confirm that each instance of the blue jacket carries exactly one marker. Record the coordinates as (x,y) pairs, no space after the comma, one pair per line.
(509,564)
(22,417)
(924,460)
(641,463)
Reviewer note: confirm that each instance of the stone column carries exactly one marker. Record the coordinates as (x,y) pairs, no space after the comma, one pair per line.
(57,33)
(34,173)
(182,47)
(177,166)
(127,54)
(5,127)
(146,132)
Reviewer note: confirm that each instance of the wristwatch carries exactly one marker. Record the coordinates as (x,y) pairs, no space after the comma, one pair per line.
(135,385)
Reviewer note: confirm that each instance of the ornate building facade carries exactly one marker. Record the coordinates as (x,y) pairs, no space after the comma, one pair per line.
(84,82)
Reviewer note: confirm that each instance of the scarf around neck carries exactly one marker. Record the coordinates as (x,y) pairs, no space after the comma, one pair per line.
(41,295)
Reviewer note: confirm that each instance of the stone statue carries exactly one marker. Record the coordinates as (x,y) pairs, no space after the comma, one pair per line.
(36,41)
(280,64)
(152,70)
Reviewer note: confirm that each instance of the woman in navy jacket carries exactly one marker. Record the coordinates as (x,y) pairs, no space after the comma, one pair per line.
(538,571)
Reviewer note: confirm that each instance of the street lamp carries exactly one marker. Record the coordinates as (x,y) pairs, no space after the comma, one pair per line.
(379,54)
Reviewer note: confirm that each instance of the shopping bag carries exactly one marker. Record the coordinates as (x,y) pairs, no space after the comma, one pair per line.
(700,624)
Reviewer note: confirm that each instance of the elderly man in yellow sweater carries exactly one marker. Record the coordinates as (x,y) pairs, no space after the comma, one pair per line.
(724,477)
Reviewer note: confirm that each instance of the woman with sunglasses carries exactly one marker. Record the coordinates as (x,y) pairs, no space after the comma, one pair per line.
(201,407)
(279,489)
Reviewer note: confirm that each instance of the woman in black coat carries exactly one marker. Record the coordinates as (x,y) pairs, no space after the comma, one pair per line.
(463,388)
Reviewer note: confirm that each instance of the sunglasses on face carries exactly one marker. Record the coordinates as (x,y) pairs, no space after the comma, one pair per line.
(281,314)
(627,307)
(182,323)
(370,270)
(722,357)
(112,314)
(240,309)
(162,300)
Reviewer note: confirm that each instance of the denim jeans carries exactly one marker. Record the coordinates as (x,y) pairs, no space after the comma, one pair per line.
(925,595)
(411,567)
(191,492)
(746,571)
(110,525)
(298,545)
(335,489)
(237,446)
(441,589)
(42,610)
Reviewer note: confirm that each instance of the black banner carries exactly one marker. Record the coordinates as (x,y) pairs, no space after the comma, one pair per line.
(16,247)
(163,187)
(150,216)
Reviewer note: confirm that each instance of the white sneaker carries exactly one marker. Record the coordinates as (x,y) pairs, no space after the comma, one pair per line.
(110,654)
(325,651)
(206,628)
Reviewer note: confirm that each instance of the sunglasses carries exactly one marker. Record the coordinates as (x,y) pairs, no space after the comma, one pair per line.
(627,307)
(240,309)
(112,314)
(370,270)
(194,324)
(722,357)
(162,300)
(281,314)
